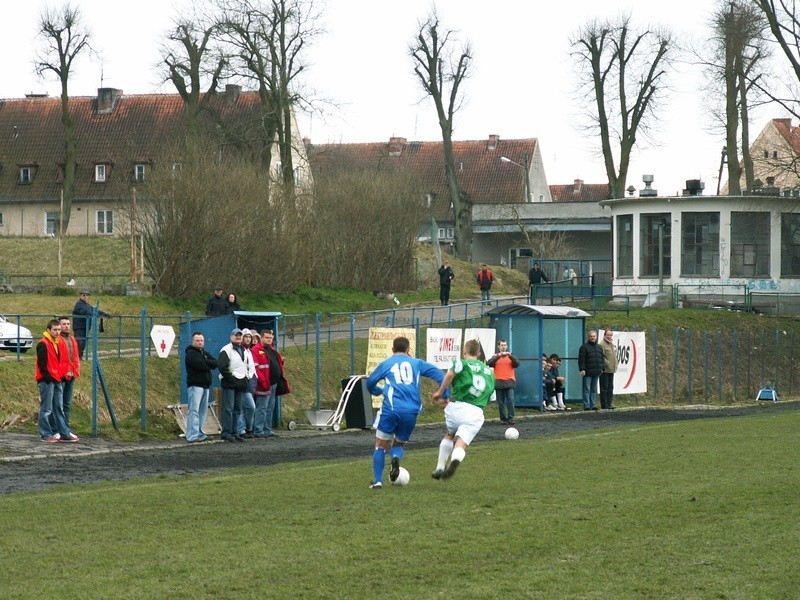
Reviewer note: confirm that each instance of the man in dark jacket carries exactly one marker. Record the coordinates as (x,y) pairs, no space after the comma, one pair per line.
(536,275)
(485,281)
(199,364)
(446,275)
(217,305)
(82,319)
(591,362)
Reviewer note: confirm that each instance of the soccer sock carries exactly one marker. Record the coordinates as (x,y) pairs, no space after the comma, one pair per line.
(561,400)
(553,401)
(397,451)
(445,448)
(378,463)
(458,454)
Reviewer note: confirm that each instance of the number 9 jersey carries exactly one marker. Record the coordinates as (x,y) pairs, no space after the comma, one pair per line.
(473,381)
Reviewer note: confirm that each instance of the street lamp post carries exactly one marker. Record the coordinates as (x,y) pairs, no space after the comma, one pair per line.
(526,169)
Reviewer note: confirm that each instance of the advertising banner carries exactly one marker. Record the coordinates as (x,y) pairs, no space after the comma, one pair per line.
(444,346)
(631,375)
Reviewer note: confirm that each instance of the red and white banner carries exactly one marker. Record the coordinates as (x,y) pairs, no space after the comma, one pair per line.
(444,346)
(631,375)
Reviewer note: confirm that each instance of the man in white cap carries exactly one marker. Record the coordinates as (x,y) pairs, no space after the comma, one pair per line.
(234,364)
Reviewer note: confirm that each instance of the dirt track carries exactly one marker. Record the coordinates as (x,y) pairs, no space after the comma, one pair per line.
(27,464)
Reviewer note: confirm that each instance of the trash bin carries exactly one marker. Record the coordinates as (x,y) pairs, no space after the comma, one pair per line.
(358,411)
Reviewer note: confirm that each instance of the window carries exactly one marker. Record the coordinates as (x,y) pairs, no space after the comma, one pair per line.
(700,244)
(138,172)
(26,175)
(105,221)
(625,246)
(650,225)
(766,153)
(775,154)
(441,233)
(446,233)
(790,245)
(770,181)
(749,244)
(100,173)
(51,223)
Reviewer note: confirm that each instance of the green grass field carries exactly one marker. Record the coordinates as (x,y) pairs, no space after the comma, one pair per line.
(700,509)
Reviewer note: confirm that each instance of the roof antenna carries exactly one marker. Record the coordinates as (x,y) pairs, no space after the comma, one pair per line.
(102,74)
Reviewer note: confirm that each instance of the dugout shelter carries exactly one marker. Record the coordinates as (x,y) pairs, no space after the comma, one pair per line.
(535,330)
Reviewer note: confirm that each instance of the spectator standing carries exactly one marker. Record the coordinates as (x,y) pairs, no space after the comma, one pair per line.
(591,364)
(216,305)
(71,363)
(401,405)
(82,319)
(473,384)
(232,304)
(607,376)
(269,370)
(446,275)
(536,275)
(485,281)
(199,365)
(247,416)
(49,373)
(505,381)
(233,364)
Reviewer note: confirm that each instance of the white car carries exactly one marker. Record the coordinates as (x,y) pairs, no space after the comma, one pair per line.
(12,336)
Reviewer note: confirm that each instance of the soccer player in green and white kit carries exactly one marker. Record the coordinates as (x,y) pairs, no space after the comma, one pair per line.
(473,384)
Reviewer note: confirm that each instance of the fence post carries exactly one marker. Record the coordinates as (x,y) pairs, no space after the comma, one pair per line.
(143,359)
(655,362)
(318,357)
(689,387)
(352,344)
(719,365)
(675,363)
(735,365)
(95,375)
(705,366)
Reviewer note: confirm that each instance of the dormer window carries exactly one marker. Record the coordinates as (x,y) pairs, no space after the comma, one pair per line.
(138,172)
(100,173)
(26,174)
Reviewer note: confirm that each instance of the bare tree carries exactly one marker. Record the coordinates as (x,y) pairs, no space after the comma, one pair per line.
(623,72)
(65,36)
(267,38)
(736,57)
(191,63)
(441,70)
(784,23)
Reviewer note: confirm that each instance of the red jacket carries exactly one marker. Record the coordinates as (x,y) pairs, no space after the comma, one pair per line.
(485,279)
(69,348)
(48,364)
(261,361)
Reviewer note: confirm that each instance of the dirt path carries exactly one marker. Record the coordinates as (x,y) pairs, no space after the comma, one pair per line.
(27,464)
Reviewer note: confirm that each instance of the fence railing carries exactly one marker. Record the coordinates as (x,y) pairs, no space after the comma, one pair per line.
(682,365)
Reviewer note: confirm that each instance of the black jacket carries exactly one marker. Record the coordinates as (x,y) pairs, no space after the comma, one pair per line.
(536,276)
(446,275)
(199,365)
(591,359)
(216,306)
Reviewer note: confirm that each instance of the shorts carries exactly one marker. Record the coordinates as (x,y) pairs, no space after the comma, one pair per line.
(463,420)
(399,425)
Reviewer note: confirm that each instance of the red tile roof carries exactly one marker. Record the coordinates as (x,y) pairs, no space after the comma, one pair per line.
(135,131)
(790,134)
(480,172)
(580,192)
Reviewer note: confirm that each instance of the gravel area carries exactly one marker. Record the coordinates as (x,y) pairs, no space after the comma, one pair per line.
(28,464)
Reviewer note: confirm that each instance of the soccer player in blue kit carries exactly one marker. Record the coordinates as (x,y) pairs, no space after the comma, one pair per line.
(401,405)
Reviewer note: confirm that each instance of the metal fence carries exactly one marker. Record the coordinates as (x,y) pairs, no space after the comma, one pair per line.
(122,373)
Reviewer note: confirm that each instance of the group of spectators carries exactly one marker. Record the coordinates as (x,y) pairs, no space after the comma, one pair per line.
(597,362)
(58,364)
(250,373)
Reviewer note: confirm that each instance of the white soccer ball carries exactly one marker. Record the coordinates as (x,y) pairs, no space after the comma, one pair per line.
(512,433)
(403,477)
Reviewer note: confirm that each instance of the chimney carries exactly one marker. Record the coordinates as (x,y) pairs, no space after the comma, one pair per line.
(396,145)
(694,187)
(647,192)
(107,100)
(493,140)
(784,122)
(232,92)
(577,187)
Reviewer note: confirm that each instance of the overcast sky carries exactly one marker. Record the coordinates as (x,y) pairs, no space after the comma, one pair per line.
(523,83)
